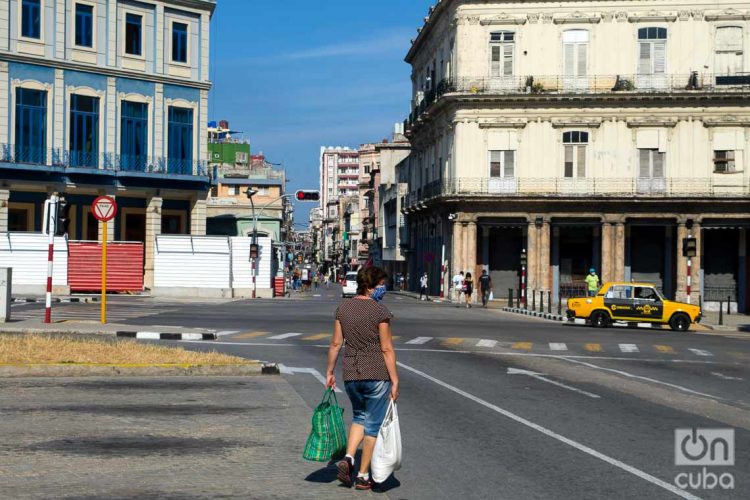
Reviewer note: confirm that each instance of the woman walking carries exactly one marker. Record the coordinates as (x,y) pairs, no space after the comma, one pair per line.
(370,376)
(468,288)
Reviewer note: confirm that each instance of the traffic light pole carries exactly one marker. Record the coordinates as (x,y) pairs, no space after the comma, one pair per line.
(254,261)
(51,221)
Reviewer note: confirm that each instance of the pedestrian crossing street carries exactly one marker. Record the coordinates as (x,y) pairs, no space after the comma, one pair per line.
(559,348)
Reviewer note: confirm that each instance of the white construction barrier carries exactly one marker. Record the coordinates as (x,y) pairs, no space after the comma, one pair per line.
(242,280)
(26,254)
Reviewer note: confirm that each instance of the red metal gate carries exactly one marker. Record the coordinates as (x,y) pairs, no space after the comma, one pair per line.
(124,266)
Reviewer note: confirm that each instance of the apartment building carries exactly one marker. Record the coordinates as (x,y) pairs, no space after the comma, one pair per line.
(339,182)
(105,97)
(583,135)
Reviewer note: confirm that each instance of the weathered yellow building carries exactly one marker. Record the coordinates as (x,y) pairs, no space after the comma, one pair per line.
(587,135)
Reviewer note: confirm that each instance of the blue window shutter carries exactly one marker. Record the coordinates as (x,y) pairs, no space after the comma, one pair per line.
(31,18)
(179,42)
(134,136)
(31,126)
(84,25)
(180,140)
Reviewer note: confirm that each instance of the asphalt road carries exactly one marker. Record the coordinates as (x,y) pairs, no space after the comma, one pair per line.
(500,406)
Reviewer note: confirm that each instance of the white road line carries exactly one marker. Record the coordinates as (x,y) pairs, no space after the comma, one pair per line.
(581,447)
(558,346)
(630,375)
(284,336)
(629,348)
(419,340)
(543,378)
(700,352)
(290,370)
(487,343)
(224,333)
(725,377)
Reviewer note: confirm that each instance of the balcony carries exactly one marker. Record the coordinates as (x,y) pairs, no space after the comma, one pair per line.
(590,85)
(24,158)
(520,187)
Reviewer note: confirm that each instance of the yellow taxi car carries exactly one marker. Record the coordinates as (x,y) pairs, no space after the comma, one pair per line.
(632,303)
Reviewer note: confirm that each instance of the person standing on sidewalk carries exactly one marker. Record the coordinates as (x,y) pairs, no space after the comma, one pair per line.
(468,289)
(423,290)
(458,286)
(370,375)
(485,286)
(592,282)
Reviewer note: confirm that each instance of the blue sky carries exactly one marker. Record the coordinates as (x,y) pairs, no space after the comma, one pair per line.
(294,75)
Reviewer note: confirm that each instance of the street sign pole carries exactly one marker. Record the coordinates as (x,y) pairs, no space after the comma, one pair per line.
(51,221)
(104,209)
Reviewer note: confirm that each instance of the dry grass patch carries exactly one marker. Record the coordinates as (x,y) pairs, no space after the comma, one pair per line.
(43,349)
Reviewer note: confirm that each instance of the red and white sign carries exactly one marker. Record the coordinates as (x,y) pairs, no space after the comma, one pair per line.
(104,208)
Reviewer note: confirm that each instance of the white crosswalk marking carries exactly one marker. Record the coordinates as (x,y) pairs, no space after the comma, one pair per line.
(487,343)
(629,348)
(700,352)
(558,346)
(226,332)
(284,336)
(419,340)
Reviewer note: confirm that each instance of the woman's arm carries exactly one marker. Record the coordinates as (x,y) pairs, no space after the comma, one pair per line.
(333,353)
(386,345)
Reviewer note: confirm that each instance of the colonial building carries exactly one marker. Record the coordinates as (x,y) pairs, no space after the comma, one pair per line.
(105,97)
(582,135)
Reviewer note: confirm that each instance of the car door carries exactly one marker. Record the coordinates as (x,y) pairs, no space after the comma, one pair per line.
(619,300)
(648,303)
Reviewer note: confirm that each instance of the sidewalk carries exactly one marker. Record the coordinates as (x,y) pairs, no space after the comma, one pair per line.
(732,322)
(154,437)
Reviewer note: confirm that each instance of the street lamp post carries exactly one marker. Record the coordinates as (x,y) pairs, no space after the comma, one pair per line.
(254,261)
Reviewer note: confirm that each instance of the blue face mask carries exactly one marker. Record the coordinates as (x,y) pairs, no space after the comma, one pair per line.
(378,294)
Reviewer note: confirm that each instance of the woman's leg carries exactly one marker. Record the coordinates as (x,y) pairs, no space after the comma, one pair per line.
(356,434)
(367,449)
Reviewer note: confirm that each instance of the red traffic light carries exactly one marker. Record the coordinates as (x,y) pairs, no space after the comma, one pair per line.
(306,195)
(254,251)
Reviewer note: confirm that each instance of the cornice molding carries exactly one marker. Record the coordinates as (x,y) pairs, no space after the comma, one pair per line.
(653,16)
(504,124)
(101,70)
(652,121)
(577,17)
(728,15)
(502,19)
(577,122)
(726,121)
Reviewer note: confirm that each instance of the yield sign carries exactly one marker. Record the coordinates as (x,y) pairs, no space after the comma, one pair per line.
(104,208)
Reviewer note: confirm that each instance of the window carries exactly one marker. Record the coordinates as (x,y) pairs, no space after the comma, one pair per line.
(31,19)
(18,219)
(502,50)
(650,164)
(171,224)
(728,50)
(234,190)
(180,155)
(179,42)
(84,130)
(31,125)
(575,153)
(652,49)
(502,164)
(133,34)
(240,157)
(367,169)
(262,191)
(724,162)
(646,293)
(134,134)
(619,292)
(84,25)
(575,53)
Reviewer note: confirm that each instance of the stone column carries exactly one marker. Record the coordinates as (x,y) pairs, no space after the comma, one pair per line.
(619,251)
(681,292)
(544,279)
(608,263)
(153,229)
(471,253)
(198,215)
(457,248)
(4,196)
(532,257)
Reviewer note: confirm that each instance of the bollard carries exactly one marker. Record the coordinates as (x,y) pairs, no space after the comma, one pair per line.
(541,301)
(533,300)
(510,297)
(721,312)
(559,306)
(518,299)
(700,301)
(729,305)
(549,302)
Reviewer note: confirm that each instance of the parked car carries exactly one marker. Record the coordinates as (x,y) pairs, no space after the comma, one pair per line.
(632,303)
(350,285)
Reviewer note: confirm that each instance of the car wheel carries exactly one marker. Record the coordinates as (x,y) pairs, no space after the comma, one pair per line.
(680,322)
(599,319)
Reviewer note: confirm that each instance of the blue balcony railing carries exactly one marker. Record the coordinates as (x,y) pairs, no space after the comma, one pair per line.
(59,158)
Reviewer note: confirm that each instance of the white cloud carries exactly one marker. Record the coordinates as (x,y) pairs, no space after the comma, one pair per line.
(387,43)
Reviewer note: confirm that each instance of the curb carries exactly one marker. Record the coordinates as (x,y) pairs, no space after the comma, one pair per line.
(110,370)
(165,335)
(17,300)
(541,315)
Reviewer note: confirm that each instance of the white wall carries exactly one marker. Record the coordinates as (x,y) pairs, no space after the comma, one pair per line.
(27,253)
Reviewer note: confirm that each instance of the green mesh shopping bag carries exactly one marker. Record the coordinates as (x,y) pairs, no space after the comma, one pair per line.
(327,439)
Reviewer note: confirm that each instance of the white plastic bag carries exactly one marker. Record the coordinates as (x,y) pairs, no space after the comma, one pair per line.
(387,455)
(492,295)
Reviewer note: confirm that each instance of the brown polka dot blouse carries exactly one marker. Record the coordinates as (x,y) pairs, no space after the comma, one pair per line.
(363,357)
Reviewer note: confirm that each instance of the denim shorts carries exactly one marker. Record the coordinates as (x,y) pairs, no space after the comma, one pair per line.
(369,403)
